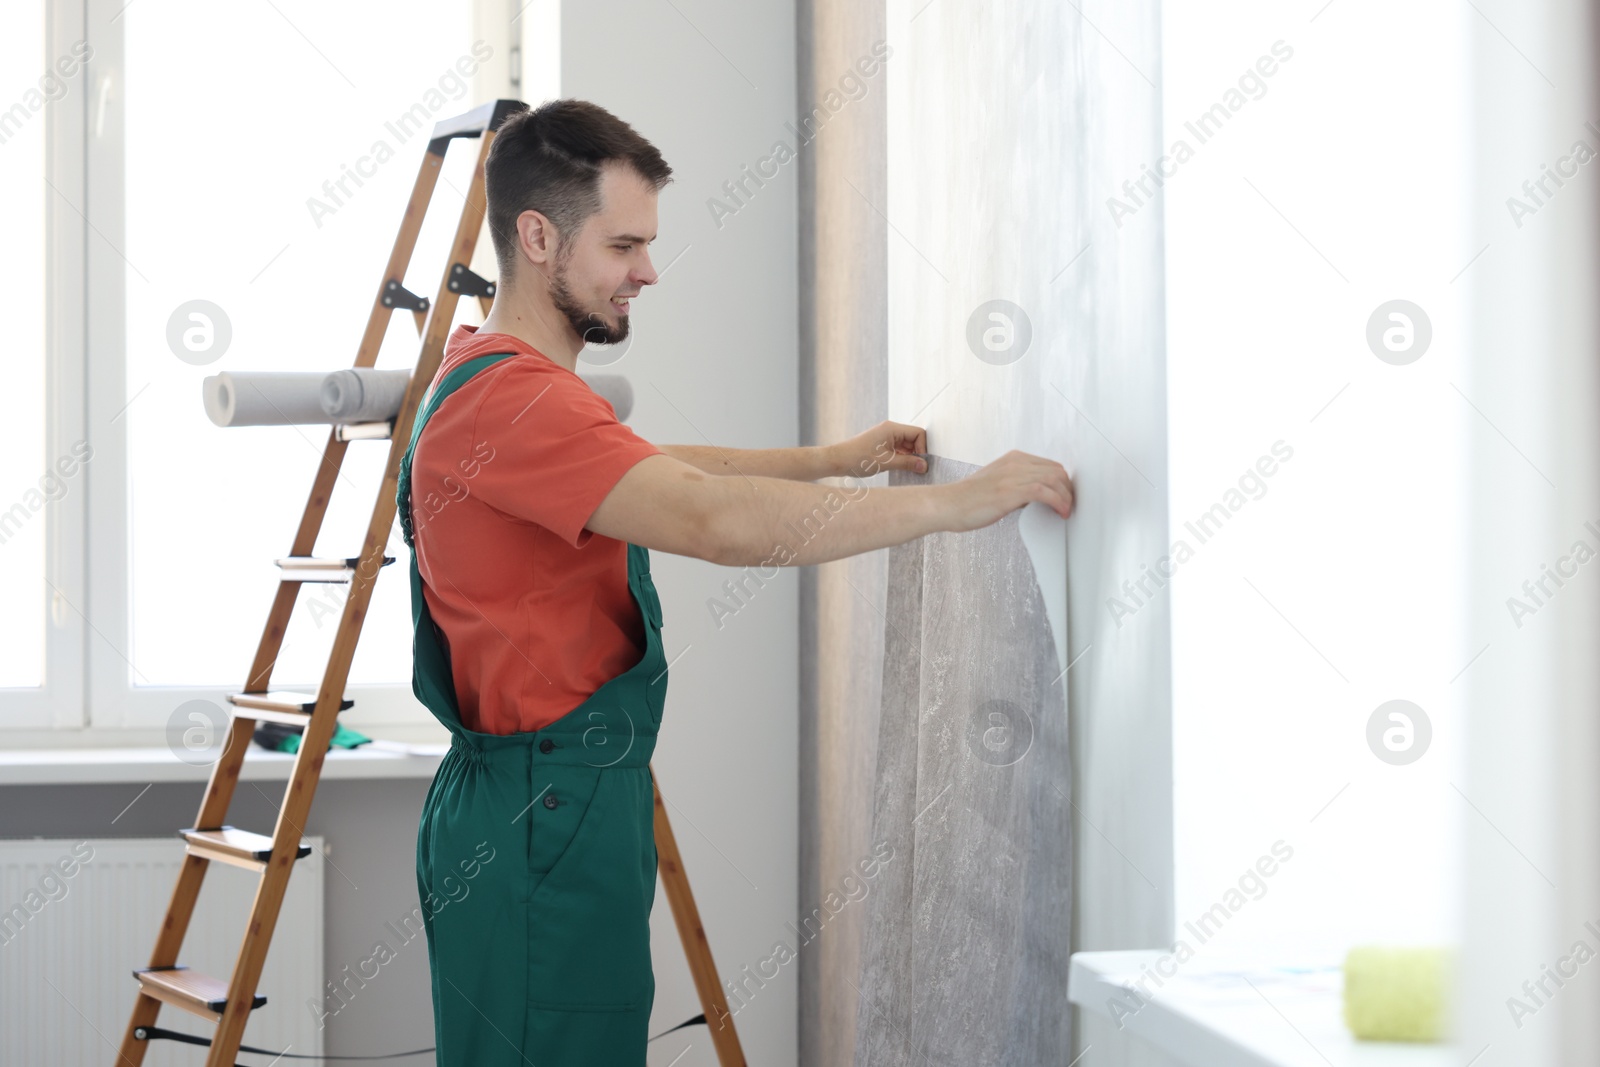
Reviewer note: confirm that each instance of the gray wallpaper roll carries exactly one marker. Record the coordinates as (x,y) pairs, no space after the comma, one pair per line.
(294,398)
(364,394)
(264,398)
(617,391)
(354,394)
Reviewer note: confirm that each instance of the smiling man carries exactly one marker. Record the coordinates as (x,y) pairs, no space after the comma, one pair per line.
(537,624)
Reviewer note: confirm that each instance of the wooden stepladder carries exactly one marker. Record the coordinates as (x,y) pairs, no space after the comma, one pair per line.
(228,1001)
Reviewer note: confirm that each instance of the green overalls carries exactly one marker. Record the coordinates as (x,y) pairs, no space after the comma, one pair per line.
(536,856)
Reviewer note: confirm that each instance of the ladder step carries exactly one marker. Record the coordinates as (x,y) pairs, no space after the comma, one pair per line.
(238,847)
(322,569)
(293,709)
(190,990)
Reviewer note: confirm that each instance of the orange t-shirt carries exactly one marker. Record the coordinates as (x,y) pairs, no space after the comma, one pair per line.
(535,609)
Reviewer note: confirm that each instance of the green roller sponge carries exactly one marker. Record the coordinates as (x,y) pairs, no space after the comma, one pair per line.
(1397,994)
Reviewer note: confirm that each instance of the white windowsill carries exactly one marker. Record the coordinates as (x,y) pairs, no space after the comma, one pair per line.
(1209,1016)
(93,766)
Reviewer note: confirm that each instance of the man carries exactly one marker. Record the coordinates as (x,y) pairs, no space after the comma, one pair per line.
(531,512)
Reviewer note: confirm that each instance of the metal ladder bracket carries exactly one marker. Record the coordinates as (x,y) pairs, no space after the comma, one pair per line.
(467,283)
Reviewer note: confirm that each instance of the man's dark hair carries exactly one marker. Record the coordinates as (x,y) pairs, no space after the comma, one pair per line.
(548,159)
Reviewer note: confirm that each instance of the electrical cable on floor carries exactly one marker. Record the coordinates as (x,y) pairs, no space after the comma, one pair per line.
(153,1033)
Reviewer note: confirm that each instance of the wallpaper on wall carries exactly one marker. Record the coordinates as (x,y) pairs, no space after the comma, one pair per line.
(967,930)
(961,271)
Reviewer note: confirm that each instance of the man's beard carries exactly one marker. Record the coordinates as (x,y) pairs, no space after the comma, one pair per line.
(590,325)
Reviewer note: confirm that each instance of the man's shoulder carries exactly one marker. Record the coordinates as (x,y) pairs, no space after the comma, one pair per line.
(511,374)
(529,378)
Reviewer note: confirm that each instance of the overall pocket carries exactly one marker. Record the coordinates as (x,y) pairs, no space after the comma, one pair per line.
(589,918)
(560,801)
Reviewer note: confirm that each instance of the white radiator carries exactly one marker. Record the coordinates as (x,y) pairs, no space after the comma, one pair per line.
(69,945)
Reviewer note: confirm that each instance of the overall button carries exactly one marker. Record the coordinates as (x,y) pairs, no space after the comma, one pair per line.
(550,800)
(546,746)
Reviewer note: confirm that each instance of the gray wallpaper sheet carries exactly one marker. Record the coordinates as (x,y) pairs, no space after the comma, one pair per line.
(967,932)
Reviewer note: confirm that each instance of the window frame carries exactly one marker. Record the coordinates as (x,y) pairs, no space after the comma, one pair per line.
(58,703)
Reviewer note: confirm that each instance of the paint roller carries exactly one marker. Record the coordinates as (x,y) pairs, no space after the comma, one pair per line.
(351,395)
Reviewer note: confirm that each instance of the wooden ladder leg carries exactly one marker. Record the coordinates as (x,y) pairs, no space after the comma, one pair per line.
(180,908)
(693,935)
(274,880)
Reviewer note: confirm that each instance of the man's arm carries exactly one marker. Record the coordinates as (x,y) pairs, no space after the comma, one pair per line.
(886,446)
(665,504)
(805,464)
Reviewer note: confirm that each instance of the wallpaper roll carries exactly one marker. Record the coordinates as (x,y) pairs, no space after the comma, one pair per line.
(616,390)
(354,394)
(364,394)
(265,398)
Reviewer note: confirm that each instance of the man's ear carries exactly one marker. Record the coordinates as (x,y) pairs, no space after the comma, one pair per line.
(536,237)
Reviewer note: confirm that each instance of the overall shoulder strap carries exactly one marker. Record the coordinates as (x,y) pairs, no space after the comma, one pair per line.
(442,389)
(430,670)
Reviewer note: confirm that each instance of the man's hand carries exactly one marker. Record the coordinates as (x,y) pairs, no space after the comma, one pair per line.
(1013,480)
(888,446)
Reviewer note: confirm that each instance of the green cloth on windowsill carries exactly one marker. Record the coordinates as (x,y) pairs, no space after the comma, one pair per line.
(280,738)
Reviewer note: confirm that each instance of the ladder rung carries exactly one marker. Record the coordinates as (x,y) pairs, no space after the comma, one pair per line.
(320,569)
(364,431)
(238,847)
(293,709)
(185,988)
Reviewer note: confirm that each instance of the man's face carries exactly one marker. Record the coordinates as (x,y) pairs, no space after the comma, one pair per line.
(607,262)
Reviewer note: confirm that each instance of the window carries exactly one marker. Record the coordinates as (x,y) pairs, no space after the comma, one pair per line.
(223,185)
(1337,586)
